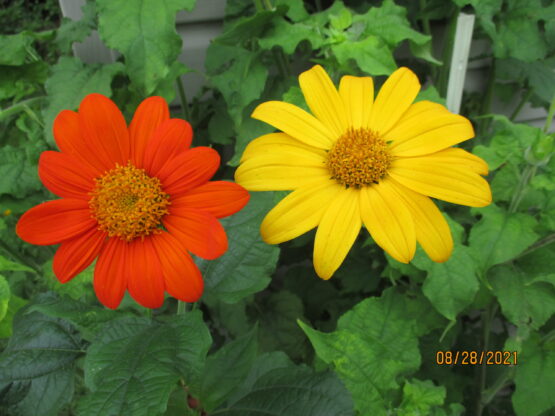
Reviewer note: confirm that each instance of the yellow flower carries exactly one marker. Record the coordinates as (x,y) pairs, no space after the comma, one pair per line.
(358,161)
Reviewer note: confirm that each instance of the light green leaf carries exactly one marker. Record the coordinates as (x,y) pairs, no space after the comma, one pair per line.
(5,294)
(226,369)
(20,81)
(144,32)
(450,286)
(18,172)
(15,48)
(421,397)
(77,288)
(523,299)
(15,303)
(500,236)
(70,82)
(296,11)
(134,364)
(246,266)
(7,265)
(249,27)
(535,378)
(39,359)
(292,391)
(374,345)
(371,54)
(76,30)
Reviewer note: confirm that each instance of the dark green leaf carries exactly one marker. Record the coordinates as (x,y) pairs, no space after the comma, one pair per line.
(15,48)
(134,364)
(288,36)
(246,266)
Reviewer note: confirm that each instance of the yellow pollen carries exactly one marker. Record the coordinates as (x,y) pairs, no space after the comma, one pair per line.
(358,158)
(127,203)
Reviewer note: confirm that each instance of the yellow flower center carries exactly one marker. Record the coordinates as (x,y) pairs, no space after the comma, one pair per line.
(358,158)
(128,203)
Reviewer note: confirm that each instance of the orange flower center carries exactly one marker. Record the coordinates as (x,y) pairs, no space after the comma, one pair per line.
(358,158)
(128,203)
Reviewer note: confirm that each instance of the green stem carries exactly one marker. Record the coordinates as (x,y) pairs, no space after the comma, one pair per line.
(487,318)
(181,307)
(279,57)
(523,101)
(446,57)
(425,20)
(183,99)
(486,105)
(499,384)
(537,245)
(258,5)
(550,115)
(20,106)
(18,258)
(525,178)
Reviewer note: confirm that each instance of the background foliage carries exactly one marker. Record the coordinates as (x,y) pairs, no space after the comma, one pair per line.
(269,337)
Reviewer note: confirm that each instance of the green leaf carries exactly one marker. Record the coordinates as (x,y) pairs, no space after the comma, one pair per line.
(70,82)
(226,369)
(535,378)
(250,27)
(500,236)
(372,55)
(389,22)
(134,364)
(39,359)
(539,75)
(249,130)
(450,286)
(288,36)
(80,287)
(20,81)
(5,294)
(242,83)
(15,303)
(291,391)
(421,397)
(6,264)
(296,11)
(15,48)
(278,329)
(246,266)
(524,300)
(148,41)
(76,30)
(18,171)
(485,11)
(374,345)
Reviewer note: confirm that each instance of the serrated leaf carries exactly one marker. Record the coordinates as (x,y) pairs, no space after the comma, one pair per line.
(39,359)
(523,299)
(292,391)
(500,236)
(249,27)
(20,81)
(76,30)
(450,286)
(15,48)
(226,369)
(246,266)
(144,32)
(534,379)
(134,364)
(18,172)
(288,36)
(371,55)
(371,354)
(421,397)
(70,82)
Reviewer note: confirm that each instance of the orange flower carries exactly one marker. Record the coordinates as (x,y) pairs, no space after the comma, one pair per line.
(137,198)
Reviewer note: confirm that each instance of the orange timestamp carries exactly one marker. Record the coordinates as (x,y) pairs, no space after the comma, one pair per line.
(476,357)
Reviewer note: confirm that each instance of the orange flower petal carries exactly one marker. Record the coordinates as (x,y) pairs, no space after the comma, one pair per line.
(55,221)
(182,277)
(110,278)
(218,198)
(189,170)
(144,273)
(200,232)
(171,138)
(150,114)
(65,176)
(75,255)
(104,129)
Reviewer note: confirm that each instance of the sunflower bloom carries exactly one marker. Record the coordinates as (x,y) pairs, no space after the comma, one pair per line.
(137,198)
(359,161)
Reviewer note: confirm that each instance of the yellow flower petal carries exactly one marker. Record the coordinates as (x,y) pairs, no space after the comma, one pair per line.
(432,231)
(281,171)
(394,98)
(388,220)
(358,96)
(279,142)
(455,156)
(456,184)
(323,99)
(298,212)
(337,232)
(296,122)
(428,131)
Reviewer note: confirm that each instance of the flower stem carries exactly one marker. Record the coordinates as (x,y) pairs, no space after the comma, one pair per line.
(487,318)
(183,99)
(525,178)
(486,104)
(181,307)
